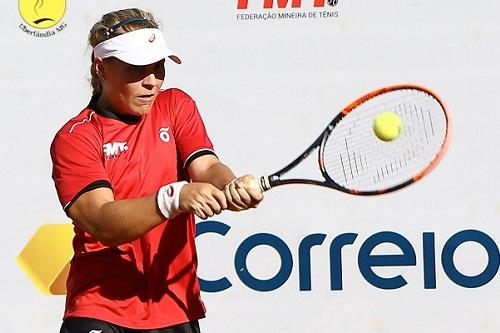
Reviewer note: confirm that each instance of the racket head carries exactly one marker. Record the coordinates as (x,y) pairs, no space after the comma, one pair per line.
(353,160)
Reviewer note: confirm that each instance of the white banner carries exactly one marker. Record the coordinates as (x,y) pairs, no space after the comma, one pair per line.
(267,77)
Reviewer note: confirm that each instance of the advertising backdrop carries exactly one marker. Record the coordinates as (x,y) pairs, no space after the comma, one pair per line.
(267,77)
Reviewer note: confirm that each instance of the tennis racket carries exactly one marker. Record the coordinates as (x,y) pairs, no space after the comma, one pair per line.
(352,159)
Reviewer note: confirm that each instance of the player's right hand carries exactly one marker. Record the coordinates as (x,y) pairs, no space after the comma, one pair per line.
(243,193)
(202,199)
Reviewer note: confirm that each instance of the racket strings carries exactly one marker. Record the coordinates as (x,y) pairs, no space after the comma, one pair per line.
(356,159)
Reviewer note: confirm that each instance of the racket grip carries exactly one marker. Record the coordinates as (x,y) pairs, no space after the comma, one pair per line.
(259,183)
(264,183)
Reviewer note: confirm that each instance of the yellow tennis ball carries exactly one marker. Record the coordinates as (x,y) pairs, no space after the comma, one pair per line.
(387,126)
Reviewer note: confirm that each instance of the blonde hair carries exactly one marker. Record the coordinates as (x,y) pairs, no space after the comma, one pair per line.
(102,30)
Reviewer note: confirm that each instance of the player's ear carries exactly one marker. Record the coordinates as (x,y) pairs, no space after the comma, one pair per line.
(100,68)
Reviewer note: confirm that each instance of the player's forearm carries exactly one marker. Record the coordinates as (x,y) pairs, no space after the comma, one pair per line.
(217,174)
(122,221)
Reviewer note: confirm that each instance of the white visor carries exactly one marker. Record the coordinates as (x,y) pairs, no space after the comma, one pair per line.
(139,47)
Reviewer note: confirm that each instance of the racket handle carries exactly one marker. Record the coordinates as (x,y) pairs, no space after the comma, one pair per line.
(264,184)
(259,183)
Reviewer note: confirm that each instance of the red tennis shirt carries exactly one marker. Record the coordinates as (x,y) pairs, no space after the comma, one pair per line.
(150,282)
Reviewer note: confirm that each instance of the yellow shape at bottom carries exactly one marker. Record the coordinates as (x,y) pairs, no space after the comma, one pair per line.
(45,258)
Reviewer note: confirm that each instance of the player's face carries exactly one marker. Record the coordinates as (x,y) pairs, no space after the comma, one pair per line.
(130,89)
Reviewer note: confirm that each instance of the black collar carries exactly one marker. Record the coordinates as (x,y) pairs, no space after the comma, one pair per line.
(110,114)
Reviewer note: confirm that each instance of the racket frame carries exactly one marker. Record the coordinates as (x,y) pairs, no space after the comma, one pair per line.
(273,180)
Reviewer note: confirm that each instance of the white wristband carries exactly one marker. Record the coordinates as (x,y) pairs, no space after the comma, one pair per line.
(168,199)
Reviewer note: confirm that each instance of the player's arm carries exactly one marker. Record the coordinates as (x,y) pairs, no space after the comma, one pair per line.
(115,222)
(239,195)
(207,168)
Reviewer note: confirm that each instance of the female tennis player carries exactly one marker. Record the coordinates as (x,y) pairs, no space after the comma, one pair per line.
(131,170)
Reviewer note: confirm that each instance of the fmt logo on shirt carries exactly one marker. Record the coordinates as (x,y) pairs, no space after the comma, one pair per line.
(114,149)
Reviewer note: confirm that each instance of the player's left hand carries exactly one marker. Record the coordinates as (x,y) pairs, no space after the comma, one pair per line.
(243,193)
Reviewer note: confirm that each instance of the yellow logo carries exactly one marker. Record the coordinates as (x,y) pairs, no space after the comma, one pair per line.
(42,14)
